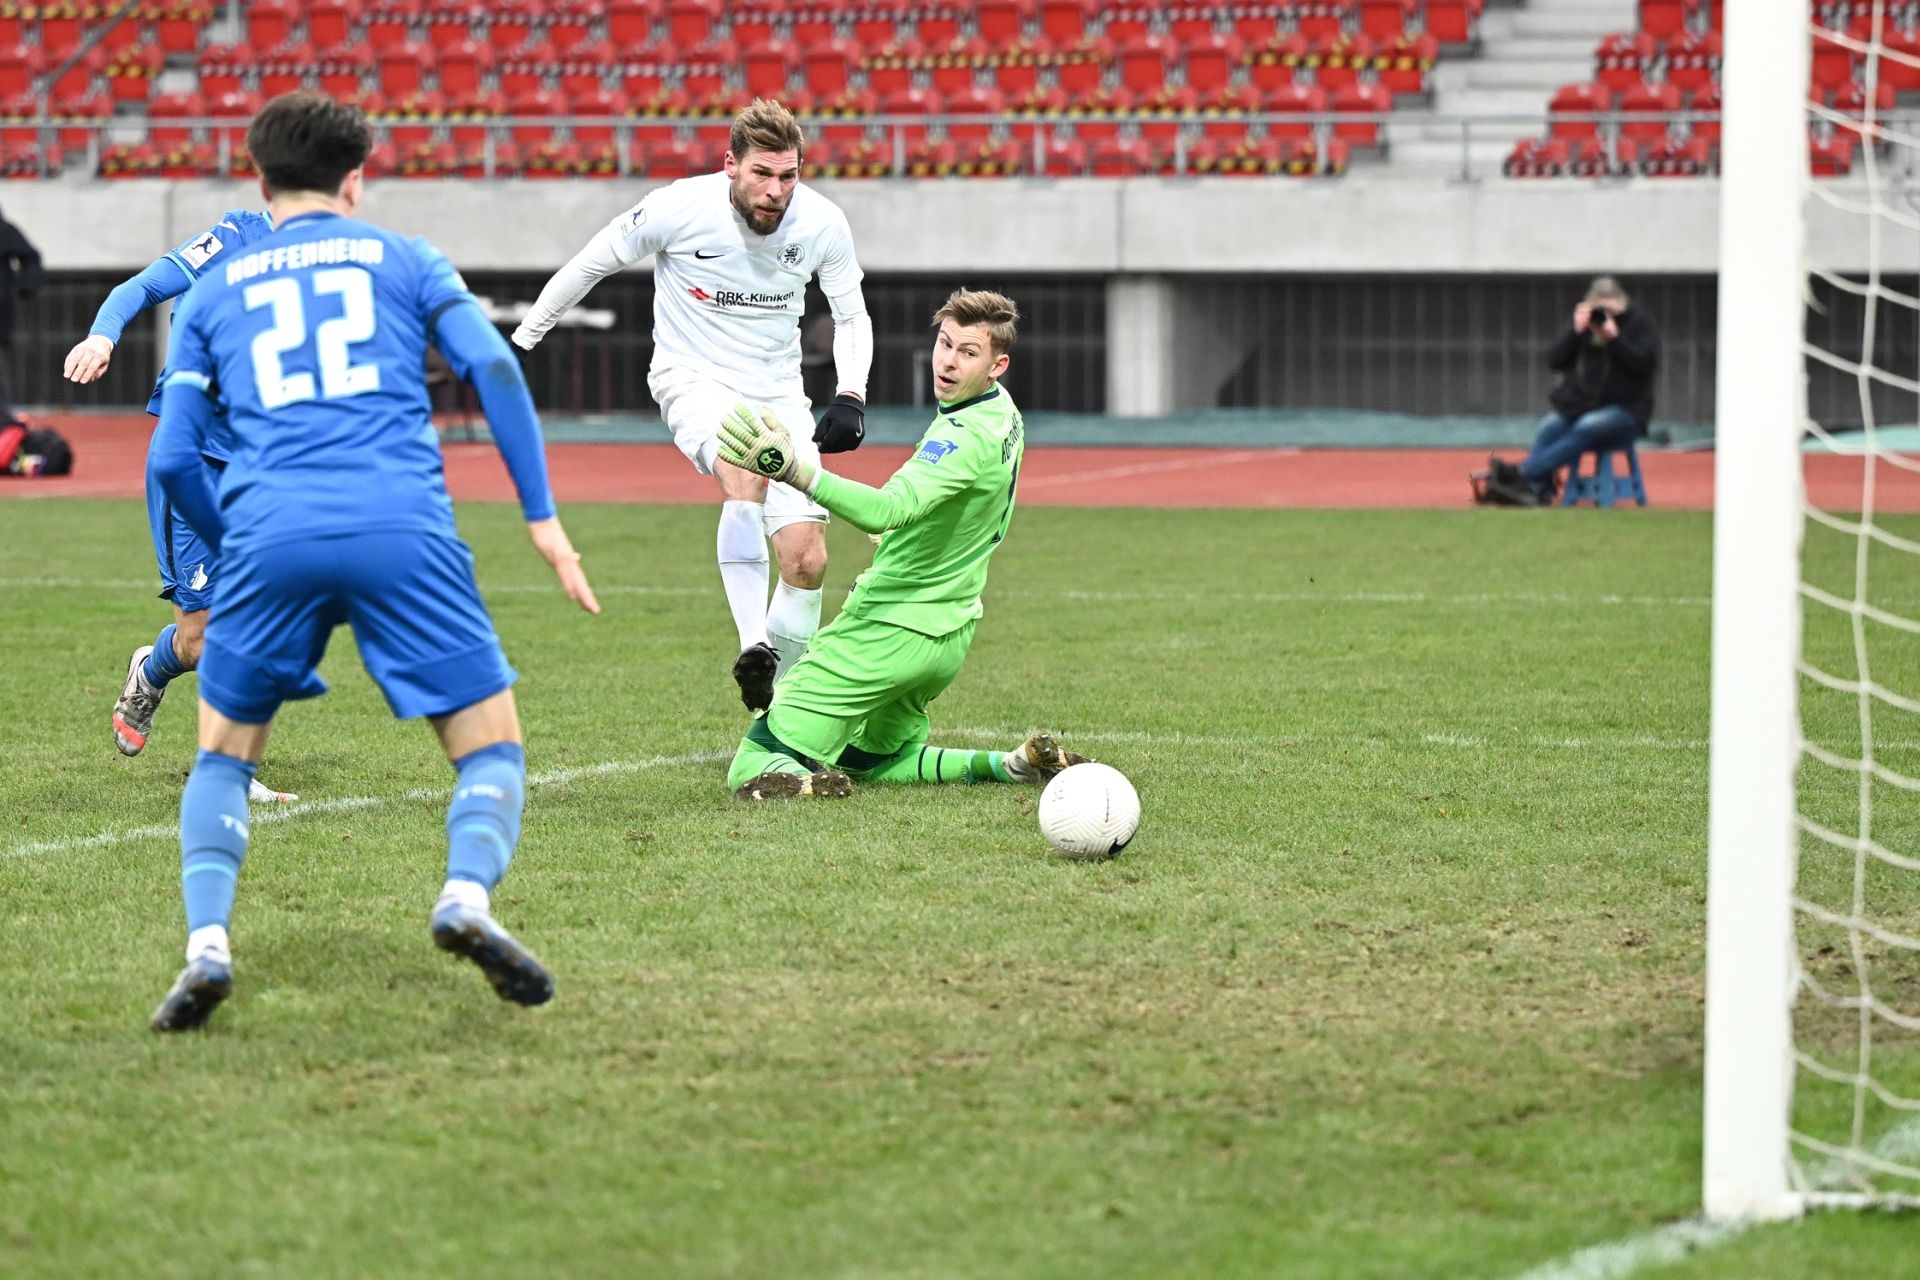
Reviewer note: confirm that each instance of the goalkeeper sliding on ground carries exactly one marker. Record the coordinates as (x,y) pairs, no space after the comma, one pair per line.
(856,705)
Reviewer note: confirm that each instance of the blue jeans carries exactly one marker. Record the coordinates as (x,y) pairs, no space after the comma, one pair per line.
(1560,440)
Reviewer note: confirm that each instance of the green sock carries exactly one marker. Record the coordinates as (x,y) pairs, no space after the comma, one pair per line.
(919,763)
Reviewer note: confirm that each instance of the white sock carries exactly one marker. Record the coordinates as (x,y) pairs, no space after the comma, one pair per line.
(742,550)
(209,940)
(792,619)
(464,892)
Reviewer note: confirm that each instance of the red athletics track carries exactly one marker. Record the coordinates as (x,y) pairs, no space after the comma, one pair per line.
(110,452)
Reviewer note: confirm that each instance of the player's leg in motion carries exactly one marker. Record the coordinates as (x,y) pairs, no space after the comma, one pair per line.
(1034,761)
(186,574)
(213,844)
(483,828)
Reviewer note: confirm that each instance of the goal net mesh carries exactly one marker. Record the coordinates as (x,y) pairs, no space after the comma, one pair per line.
(1855,1118)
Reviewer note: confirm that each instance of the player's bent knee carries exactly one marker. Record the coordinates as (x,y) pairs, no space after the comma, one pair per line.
(739,485)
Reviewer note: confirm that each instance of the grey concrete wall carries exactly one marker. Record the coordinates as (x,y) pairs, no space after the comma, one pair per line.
(1156,226)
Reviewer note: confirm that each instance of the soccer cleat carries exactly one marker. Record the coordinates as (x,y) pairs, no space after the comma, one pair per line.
(259,792)
(753,671)
(1039,758)
(827,784)
(133,714)
(510,967)
(196,993)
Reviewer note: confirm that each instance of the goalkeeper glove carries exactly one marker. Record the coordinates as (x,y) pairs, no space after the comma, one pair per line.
(759,443)
(843,426)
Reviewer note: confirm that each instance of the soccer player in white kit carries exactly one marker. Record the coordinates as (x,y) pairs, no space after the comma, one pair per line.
(733,252)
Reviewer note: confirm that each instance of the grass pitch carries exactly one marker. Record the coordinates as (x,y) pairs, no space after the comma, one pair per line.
(1401,977)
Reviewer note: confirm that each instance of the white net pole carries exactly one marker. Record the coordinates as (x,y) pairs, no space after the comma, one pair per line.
(1761,399)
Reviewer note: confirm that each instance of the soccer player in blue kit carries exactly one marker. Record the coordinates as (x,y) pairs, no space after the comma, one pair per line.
(334,509)
(187,567)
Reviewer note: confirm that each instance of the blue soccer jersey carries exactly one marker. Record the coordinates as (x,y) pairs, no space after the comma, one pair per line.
(314,341)
(236,229)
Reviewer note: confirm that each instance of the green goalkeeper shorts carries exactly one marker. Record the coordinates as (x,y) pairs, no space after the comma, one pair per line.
(864,684)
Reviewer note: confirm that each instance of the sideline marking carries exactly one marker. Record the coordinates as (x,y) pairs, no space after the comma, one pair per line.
(347,804)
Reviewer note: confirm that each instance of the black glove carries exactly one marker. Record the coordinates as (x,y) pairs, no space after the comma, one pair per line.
(843,426)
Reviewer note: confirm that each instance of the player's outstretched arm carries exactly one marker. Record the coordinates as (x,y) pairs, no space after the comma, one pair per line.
(476,352)
(174,458)
(162,279)
(600,259)
(756,441)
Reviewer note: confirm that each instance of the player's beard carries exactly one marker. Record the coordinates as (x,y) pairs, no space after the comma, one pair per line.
(762,222)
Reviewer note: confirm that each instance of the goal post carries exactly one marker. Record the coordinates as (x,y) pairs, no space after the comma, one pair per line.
(1757,526)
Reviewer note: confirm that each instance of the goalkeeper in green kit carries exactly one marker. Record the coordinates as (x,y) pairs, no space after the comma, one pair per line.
(856,705)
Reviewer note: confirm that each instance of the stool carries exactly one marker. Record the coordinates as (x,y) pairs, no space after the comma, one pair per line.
(1605,487)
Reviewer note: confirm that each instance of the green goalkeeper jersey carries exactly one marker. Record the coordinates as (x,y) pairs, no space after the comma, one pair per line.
(943,512)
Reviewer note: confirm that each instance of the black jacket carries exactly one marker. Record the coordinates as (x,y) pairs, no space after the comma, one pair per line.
(19,273)
(1594,375)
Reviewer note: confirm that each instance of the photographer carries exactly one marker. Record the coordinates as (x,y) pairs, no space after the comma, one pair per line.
(1604,398)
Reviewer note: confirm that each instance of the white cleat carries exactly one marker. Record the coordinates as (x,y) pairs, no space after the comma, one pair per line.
(133,714)
(259,792)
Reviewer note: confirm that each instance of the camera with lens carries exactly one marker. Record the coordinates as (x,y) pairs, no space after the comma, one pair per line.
(1597,318)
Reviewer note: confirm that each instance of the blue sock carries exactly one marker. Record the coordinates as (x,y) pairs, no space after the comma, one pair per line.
(483,822)
(163,664)
(213,836)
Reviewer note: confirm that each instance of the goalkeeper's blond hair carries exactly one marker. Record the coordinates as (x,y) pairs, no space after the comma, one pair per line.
(994,312)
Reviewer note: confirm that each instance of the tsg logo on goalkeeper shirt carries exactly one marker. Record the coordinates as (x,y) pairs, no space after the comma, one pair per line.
(737,298)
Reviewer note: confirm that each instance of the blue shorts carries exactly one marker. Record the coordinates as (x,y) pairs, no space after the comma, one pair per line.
(410,597)
(186,563)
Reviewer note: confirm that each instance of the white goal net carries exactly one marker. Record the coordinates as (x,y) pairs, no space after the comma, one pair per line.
(1813,1020)
(1855,1118)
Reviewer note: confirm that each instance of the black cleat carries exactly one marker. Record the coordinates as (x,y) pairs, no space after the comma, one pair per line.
(196,993)
(753,671)
(827,784)
(510,967)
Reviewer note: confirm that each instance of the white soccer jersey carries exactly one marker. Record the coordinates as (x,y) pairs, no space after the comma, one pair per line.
(725,299)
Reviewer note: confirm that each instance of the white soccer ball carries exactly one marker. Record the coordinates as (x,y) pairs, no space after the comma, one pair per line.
(1089,811)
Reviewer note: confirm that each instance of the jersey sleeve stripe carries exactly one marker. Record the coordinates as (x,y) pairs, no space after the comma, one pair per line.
(188,378)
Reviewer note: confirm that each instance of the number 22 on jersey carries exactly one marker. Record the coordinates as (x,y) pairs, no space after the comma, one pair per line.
(331,338)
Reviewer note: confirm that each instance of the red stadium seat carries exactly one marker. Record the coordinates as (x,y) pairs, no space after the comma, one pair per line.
(674,159)
(599,104)
(1386,19)
(452,22)
(1223,122)
(1402,68)
(1832,65)
(692,22)
(1646,99)
(1338,62)
(1123,158)
(86,114)
(238,108)
(1831,157)
(330,23)
(1453,21)
(570,24)
(345,71)
(1319,19)
(1854,103)
(1064,157)
(270,22)
(1065,22)
(1300,103)
(891,69)
(813,25)
(130,73)
(1901,72)
(1124,25)
(585,68)
(828,68)
(1622,60)
(1688,159)
(1192,26)
(975,101)
(1356,99)
(224,68)
(1576,100)
(1210,61)
(403,68)
(1144,63)
(1003,22)
(630,23)
(1275,65)
(911,103)
(768,68)
(463,66)
(1256,24)
(1159,120)
(19,66)
(1693,60)
(394,22)
(526,69)
(470,119)
(535,107)
(1538,158)
(937,25)
(1085,69)
(1663,19)
(956,66)
(179,27)
(169,107)
(509,22)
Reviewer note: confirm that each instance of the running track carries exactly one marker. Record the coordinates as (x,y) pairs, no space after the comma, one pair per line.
(110,452)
